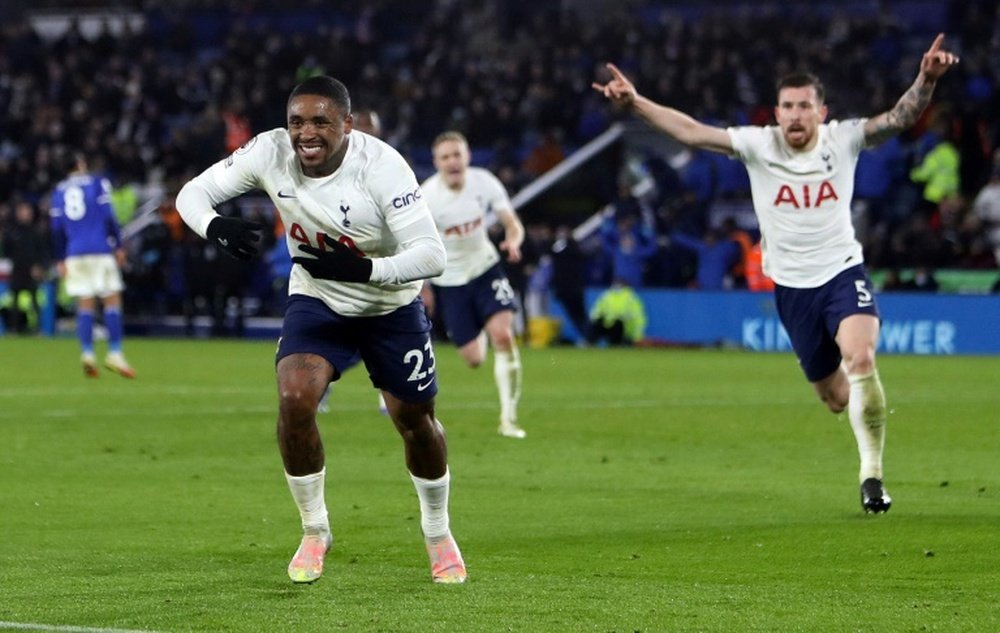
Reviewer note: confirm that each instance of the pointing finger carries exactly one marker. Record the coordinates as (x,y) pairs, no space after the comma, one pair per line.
(936,46)
(614,71)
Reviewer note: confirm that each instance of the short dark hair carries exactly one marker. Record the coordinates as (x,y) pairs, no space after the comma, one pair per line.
(324,86)
(802,80)
(69,160)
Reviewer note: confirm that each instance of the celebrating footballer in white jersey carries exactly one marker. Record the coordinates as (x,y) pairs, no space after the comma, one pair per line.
(802,179)
(351,204)
(803,200)
(462,217)
(473,294)
(371,204)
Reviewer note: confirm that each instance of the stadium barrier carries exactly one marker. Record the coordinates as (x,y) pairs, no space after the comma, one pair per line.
(912,323)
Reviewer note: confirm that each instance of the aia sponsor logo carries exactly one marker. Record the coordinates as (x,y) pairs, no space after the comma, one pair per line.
(807,196)
(464,229)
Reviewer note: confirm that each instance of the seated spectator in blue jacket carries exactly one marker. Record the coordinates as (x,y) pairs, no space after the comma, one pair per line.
(628,244)
(715,258)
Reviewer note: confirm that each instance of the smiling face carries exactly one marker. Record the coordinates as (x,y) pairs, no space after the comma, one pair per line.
(319,133)
(799,113)
(451,159)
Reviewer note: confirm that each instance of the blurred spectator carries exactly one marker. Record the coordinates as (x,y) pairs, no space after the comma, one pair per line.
(124,201)
(757,281)
(987,208)
(627,242)
(939,170)
(915,243)
(544,156)
(715,258)
(922,281)
(618,316)
(877,179)
(238,130)
(700,179)
(539,271)
(568,278)
(741,238)
(25,245)
(149,267)
(892,282)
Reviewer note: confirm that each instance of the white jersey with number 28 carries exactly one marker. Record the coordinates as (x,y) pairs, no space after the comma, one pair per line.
(461,217)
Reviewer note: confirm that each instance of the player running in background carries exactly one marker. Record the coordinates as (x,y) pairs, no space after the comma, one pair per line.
(801,181)
(473,294)
(362,239)
(87,247)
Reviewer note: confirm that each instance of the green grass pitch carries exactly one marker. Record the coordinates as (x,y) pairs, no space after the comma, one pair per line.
(658,490)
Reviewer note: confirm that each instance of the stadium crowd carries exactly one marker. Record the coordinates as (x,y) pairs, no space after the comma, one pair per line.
(155,104)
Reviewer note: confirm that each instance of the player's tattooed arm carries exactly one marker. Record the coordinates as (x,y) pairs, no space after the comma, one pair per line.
(903,115)
(935,62)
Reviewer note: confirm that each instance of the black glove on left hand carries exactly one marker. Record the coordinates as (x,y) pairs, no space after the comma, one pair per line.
(236,236)
(339,264)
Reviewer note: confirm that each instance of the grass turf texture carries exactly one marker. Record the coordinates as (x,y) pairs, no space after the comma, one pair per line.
(658,490)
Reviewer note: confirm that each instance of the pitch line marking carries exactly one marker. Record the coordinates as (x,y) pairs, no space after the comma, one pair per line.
(33,626)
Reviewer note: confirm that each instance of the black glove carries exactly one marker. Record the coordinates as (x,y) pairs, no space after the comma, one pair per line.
(234,235)
(340,264)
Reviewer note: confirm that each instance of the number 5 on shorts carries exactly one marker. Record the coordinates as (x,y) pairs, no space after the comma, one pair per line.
(864,295)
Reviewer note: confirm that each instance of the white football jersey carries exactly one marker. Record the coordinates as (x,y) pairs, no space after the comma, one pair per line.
(803,200)
(461,218)
(371,203)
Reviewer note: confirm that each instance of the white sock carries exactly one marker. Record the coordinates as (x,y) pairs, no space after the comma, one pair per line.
(867,412)
(308,494)
(484,343)
(507,372)
(433,495)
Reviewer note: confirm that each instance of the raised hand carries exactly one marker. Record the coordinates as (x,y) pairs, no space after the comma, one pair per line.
(619,90)
(936,61)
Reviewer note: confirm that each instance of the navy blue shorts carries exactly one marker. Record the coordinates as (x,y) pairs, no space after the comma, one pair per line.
(811,317)
(396,347)
(465,309)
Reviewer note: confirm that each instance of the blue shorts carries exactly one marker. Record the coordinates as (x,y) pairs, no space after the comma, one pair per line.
(465,309)
(396,347)
(811,317)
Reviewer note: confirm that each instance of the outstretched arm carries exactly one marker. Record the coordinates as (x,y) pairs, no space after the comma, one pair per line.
(513,235)
(914,101)
(671,122)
